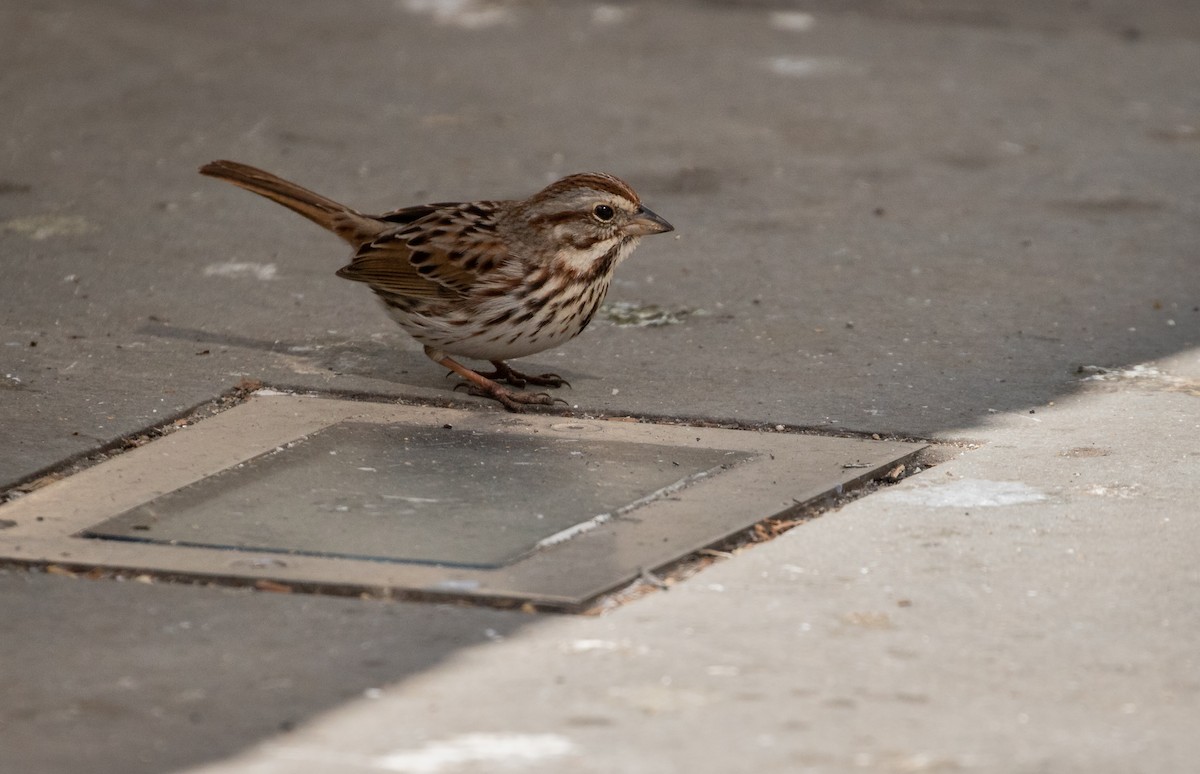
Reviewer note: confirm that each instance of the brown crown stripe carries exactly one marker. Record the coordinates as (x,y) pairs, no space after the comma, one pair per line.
(599,181)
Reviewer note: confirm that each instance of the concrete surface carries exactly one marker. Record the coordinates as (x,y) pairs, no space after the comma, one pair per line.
(911,218)
(921,629)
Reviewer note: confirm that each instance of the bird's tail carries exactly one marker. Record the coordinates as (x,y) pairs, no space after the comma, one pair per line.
(350,225)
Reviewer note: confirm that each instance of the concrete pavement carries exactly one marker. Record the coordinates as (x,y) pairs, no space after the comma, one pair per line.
(974,223)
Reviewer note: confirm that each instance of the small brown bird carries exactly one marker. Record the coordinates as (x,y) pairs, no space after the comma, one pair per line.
(489,280)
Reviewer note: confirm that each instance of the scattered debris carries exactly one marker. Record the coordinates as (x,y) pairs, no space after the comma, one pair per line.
(1079,452)
(39,227)
(1141,374)
(247,386)
(1116,490)
(653,580)
(628,314)
(35,484)
(262,584)
(1094,373)
(869,619)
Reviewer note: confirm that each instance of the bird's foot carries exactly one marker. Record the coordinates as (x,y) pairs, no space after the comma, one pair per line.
(513,401)
(484,386)
(505,373)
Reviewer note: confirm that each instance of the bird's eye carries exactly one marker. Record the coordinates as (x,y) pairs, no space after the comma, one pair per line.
(603,212)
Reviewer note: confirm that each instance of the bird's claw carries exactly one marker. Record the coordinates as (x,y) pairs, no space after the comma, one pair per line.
(505,373)
(486,385)
(513,401)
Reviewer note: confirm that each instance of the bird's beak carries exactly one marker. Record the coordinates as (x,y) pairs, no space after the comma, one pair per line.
(645,222)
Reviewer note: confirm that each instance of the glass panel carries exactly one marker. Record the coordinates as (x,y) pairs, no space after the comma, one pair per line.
(413,493)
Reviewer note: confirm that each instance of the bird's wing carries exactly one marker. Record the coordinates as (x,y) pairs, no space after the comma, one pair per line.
(438,250)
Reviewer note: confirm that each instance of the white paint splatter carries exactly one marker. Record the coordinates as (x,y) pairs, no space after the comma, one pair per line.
(583,646)
(808,66)
(507,750)
(469,14)
(966,493)
(603,646)
(607,15)
(409,499)
(1119,491)
(457,584)
(260,271)
(39,227)
(792,21)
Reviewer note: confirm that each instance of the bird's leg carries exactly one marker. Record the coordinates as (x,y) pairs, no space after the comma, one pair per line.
(484,387)
(505,373)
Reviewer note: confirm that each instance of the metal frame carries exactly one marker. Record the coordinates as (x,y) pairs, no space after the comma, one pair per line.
(787,471)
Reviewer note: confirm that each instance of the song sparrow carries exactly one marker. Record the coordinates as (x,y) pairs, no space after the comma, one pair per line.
(489,280)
